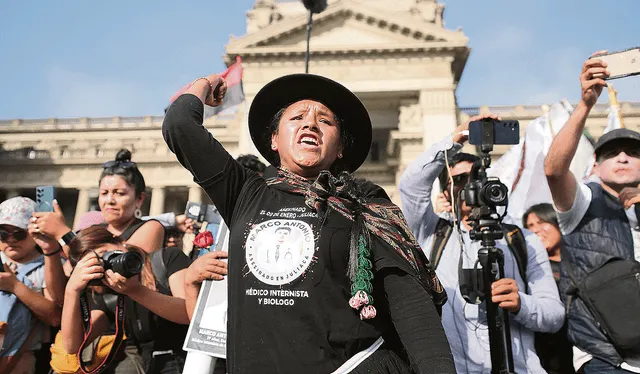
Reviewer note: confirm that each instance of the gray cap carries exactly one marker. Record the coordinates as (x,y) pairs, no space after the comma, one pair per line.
(17,212)
(617,134)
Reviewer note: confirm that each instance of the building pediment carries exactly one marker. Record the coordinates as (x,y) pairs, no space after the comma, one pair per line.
(348,25)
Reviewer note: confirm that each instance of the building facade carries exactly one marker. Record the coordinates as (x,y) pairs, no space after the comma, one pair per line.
(397,56)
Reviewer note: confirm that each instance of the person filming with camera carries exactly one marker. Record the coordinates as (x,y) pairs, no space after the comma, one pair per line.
(533,305)
(601,238)
(105,266)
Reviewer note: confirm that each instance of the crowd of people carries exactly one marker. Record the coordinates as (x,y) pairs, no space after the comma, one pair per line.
(371,288)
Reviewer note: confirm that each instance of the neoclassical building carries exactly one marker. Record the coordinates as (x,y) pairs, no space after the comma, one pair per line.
(396,55)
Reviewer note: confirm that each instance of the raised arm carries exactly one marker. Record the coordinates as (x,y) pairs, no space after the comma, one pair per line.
(562,182)
(211,165)
(541,309)
(416,185)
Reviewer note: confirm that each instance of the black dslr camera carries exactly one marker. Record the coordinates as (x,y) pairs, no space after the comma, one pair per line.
(483,191)
(126,264)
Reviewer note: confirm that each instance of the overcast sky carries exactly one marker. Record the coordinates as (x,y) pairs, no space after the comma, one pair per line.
(67,58)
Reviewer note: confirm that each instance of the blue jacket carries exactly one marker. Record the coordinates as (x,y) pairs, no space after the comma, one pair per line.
(16,314)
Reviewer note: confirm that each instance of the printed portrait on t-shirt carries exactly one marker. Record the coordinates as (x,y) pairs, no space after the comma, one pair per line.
(279,251)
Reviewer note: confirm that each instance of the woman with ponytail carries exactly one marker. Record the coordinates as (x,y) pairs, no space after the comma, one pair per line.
(345,287)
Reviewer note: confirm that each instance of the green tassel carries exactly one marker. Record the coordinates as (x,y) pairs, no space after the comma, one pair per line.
(364,275)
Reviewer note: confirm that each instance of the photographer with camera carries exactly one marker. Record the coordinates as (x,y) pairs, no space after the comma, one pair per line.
(154,308)
(601,242)
(532,305)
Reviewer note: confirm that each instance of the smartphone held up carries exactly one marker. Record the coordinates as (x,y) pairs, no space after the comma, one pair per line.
(621,64)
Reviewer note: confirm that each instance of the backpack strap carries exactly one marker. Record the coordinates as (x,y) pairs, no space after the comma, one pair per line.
(160,269)
(126,234)
(518,245)
(441,236)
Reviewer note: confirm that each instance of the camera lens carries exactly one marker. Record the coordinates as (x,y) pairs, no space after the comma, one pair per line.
(126,264)
(495,193)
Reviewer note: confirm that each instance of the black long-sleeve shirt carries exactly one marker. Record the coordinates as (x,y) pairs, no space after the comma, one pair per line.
(288,288)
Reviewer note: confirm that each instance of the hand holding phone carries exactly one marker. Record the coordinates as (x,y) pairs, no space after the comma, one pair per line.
(620,64)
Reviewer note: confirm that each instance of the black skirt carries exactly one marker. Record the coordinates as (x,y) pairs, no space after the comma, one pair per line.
(383,361)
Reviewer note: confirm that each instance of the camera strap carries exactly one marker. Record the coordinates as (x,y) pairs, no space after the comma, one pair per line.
(119,334)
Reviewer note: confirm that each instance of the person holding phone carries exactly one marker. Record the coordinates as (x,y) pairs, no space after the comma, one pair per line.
(122,191)
(31,267)
(530,297)
(599,224)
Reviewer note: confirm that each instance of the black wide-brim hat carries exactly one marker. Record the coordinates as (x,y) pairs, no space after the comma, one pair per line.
(286,90)
(616,136)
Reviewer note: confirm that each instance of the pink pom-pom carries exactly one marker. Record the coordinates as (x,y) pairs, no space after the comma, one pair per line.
(368,312)
(358,300)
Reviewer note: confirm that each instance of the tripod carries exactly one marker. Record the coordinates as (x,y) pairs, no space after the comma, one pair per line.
(492,260)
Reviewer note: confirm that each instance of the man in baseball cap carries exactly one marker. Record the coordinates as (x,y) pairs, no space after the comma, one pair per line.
(599,221)
(26,305)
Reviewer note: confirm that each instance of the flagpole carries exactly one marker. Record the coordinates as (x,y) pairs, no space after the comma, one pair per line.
(309,25)
(613,101)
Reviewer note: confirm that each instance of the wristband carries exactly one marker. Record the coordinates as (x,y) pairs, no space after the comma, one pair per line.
(67,238)
(52,253)
(211,88)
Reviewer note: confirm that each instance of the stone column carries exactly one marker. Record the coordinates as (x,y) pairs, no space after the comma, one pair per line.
(195,194)
(438,114)
(82,206)
(157,201)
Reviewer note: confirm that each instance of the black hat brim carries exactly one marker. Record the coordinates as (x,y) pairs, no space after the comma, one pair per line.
(286,90)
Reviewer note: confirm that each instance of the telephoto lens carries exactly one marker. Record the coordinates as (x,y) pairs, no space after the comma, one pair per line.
(126,264)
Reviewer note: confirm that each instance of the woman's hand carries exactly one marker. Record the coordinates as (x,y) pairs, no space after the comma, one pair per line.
(207,266)
(219,90)
(86,270)
(50,223)
(184,224)
(120,284)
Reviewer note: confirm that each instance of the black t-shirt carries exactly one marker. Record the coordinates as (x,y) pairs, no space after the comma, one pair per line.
(288,288)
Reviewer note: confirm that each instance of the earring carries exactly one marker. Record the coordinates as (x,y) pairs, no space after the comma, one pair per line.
(339,155)
(138,213)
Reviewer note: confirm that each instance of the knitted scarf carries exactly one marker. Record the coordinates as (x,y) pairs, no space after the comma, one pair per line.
(380,218)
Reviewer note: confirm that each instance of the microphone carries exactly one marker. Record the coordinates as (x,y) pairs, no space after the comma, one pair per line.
(636,207)
(315,6)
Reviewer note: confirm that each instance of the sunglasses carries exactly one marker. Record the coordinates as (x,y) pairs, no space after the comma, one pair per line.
(17,235)
(119,164)
(460,179)
(613,152)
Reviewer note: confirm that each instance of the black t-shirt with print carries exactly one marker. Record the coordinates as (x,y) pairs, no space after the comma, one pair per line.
(288,288)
